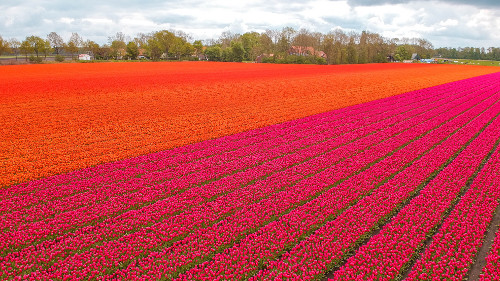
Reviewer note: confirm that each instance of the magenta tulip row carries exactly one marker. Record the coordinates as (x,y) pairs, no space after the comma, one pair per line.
(343,233)
(491,270)
(250,219)
(144,188)
(491,185)
(259,204)
(390,251)
(117,177)
(237,179)
(204,149)
(176,224)
(199,166)
(452,251)
(303,220)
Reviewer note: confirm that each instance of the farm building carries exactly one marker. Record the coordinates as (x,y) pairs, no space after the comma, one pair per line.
(415,56)
(84,57)
(306,51)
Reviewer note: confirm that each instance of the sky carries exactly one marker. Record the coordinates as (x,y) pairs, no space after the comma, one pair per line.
(445,23)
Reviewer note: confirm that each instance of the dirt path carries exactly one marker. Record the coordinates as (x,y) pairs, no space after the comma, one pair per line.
(477,267)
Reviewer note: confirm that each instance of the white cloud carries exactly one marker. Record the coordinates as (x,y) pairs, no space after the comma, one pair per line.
(66,20)
(444,22)
(449,22)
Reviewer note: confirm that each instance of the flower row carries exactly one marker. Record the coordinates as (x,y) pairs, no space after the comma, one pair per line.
(393,249)
(327,247)
(225,230)
(265,199)
(58,119)
(453,248)
(147,215)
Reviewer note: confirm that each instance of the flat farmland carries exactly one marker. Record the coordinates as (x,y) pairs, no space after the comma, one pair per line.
(64,117)
(221,171)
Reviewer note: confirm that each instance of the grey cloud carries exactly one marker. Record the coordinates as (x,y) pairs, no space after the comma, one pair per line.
(476,3)
(172,18)
(39,17)
(353,23)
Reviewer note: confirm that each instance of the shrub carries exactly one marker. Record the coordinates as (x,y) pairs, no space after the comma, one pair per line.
(59,58)
(190,58)
(34,59)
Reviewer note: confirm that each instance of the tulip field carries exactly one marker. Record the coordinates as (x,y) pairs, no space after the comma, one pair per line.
(233,171)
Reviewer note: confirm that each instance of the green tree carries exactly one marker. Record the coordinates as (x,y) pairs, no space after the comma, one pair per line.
(4,46)
(363,48)
(103,52)
(251,43)
(118,45)
(46,48)
(227,54)
(165,40)
(26,48)
(178,48)
(34,44)
(237,51)
(154,48)
(132,50)
(352,54)
(214,53)
(402,53)
(198,47)
(71,48)
(118,49)
(188,49)
(328,47)
(91,47)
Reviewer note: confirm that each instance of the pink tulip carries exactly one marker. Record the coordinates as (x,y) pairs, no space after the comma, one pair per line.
(293,197)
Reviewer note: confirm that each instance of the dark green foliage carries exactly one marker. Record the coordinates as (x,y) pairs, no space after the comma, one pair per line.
(59,58)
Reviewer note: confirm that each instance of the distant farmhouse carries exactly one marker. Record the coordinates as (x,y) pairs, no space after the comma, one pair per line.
(84,57)
(306,51)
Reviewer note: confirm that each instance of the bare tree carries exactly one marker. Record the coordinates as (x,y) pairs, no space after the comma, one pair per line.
(91,47)
(14,45)
(285,40)
(120,37)
(74,44)
(142,40)
(305,40)
(274,35)
(56,42)
(183,35)
(266,44)
(226,37)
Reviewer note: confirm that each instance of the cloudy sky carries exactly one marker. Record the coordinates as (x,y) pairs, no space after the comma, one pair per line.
(446,23)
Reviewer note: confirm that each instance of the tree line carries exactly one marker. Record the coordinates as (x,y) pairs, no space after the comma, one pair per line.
(470,53)
(280,46)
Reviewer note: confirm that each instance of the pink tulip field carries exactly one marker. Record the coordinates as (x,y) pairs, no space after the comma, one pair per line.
(404,187)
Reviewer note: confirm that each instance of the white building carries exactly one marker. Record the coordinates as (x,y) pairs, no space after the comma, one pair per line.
(84,57)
